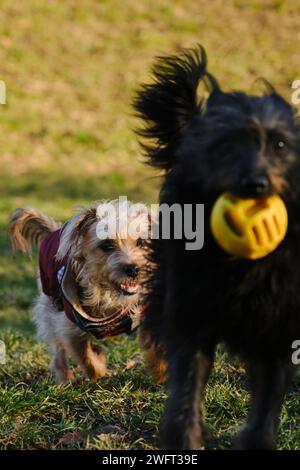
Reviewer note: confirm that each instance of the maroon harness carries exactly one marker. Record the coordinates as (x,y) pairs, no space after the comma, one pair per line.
(58,283)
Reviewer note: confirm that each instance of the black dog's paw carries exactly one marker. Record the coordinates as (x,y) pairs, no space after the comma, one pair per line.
(249,439)
(190,439)
(206,433)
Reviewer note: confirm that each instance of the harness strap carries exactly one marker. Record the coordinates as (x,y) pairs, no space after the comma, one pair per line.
(122,322)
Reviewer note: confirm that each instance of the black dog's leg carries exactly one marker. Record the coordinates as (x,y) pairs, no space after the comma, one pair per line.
(183,425)
(269,384)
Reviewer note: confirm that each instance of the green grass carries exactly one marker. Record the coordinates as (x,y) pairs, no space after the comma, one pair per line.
(66,138)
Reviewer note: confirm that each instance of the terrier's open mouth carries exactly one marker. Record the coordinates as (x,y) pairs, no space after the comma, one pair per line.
(128,287)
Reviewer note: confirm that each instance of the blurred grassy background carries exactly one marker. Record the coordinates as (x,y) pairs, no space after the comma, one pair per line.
(66,138)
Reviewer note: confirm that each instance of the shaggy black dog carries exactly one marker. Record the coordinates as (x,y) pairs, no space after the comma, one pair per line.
(249,146)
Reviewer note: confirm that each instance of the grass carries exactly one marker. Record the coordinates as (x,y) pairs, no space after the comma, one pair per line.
(66,138)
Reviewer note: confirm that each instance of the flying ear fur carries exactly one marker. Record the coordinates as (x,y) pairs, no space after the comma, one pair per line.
(170,102)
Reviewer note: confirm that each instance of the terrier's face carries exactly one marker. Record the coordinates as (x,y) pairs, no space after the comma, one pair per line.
(115,263)
(247,145)
(122,261)
(108,251)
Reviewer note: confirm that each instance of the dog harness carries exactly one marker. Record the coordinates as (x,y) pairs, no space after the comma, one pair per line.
(58,283)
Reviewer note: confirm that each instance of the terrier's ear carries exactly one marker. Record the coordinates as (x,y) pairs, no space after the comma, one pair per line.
(85,220)
(142,216)
(74,230)
(170,102)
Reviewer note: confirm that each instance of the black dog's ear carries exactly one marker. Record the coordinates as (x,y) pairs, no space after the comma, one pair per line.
(278,100)
(170,102)
(270,90)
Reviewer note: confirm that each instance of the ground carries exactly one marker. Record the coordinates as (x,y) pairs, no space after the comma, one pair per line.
(71,69)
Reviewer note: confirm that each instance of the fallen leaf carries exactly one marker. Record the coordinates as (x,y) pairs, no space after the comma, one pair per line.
(71,438)
(110,432)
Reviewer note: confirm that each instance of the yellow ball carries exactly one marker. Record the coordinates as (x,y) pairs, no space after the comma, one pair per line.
(249,228)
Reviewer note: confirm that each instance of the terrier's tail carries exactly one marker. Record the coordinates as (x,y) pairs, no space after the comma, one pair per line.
(29,225)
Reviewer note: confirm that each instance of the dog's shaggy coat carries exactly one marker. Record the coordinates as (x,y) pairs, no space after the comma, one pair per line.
(107,275)
(249,146)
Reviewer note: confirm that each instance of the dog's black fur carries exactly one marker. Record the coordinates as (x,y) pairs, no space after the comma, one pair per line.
(250,146)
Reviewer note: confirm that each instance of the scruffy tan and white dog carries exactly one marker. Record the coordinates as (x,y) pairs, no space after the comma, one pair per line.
(90,272)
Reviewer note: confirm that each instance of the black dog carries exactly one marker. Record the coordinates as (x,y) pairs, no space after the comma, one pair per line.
(249,146)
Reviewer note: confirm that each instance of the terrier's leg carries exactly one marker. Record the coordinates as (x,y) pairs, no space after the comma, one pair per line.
(156,364)
(59,365)
(93,364)
(50,323)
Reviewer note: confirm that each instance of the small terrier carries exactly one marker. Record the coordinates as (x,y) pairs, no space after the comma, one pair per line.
(90,272)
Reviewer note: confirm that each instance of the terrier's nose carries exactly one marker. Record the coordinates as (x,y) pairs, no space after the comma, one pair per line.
(256,185)
(131,270)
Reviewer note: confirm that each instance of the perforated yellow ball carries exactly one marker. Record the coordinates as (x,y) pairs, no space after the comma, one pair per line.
(249,228)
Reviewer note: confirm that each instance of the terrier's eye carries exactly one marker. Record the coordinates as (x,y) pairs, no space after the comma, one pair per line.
(140,242)
(107,245)
(280,146)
